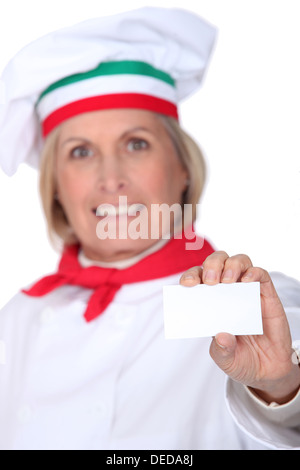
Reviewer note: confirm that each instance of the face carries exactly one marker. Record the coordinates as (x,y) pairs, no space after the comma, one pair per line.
(111,157)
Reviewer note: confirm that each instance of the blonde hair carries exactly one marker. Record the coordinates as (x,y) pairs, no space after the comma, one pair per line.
(59,230)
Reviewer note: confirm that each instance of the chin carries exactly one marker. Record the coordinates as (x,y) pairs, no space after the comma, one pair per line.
(115,250)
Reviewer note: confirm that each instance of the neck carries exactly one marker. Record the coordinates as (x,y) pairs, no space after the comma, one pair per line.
(86,262)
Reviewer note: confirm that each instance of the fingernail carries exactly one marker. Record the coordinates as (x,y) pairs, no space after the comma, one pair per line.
(221,345)
(228,275)
(210,275)
(187,277)
(247,276)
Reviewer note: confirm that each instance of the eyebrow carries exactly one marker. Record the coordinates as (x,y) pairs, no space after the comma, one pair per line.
(87,141)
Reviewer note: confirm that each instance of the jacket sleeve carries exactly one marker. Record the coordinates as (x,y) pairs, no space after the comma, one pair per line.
(276,426)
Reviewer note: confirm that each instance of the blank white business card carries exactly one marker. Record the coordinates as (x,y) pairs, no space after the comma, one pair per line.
(202,310)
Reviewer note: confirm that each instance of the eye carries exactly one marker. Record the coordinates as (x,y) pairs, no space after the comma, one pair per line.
(135,145)
(81,152)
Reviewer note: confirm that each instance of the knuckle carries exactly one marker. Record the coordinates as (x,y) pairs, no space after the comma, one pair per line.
(241,260)
(194,271)
(221,253)
(242,257)
(215,259)
(263,272)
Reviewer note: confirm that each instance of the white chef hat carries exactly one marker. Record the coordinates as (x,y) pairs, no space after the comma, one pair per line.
(150,58)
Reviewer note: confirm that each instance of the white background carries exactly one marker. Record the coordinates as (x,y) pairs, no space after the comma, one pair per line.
(246,119)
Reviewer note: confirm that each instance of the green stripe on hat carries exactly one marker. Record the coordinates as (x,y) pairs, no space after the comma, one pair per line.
(112,68)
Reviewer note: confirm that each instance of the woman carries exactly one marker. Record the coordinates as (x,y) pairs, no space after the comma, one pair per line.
(87,364)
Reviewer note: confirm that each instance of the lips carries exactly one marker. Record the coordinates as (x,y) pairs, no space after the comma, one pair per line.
(110,210)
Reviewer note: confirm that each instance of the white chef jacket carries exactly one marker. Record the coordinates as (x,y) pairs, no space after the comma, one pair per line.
(117,383)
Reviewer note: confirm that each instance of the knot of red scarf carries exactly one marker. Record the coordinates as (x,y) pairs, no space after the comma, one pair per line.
(175,257)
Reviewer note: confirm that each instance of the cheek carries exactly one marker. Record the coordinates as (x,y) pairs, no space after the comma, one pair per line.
(152,183)
(164,183)
(72,189)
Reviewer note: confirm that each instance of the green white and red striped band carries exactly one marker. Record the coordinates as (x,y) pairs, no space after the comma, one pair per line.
(111,85)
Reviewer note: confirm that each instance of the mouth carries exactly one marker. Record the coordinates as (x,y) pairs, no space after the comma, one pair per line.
(109,210)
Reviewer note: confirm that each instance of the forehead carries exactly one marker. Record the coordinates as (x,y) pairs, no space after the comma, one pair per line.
(112,122)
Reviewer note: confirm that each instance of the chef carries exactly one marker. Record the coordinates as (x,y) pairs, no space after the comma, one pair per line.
(95,108)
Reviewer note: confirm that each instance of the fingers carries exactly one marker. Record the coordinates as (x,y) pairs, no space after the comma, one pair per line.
(222,350)
(192,277)
(219,267)
(213,267)
(210,273)
(267,288)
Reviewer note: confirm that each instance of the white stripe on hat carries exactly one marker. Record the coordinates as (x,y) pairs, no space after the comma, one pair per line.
(104,85)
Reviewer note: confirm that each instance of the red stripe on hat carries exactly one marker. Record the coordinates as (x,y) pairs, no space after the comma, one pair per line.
(113,101)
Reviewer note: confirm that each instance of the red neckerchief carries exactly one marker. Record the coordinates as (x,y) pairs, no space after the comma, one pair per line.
(173,258)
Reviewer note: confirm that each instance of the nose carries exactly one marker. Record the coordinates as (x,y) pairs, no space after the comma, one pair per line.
(112,176)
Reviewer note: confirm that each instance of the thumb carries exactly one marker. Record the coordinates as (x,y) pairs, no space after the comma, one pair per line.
(222,351)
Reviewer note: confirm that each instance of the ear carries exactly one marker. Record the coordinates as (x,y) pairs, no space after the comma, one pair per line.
(186,180)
